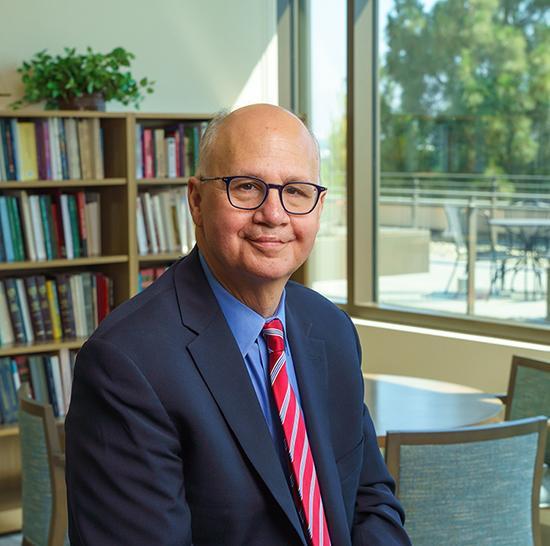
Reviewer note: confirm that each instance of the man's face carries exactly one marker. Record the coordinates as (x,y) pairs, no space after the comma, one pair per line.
(266,244)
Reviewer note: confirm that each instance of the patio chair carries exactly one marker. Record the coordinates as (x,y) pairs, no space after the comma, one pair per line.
(469,486)
(529,395)
(488,247)
(43,475)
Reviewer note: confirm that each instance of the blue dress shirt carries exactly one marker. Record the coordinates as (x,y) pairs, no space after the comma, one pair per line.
(246,326)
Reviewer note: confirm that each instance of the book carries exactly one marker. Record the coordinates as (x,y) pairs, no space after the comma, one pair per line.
(45,209)
(88,307)
(55,150)
(81,215)
(37,319)
(159,223)
(15,228)
(93,222)
(160,157)
(63,149)
(73,151)
(28,226)
(27,150)
(8,145)
(141,232)
(84,139)
(139,151)
(148,152)
(15,312)
(73,216)
(171,154)
(22,365)
(15,147)
(78,305)
(38,229)
(57,224)
(66,308)
(8,392)
(66,376)
(25,310)
(42,292)
(150,223)
(96,148)
(6,330)
(6,230)
(67,229)
(38,379)
(54,309)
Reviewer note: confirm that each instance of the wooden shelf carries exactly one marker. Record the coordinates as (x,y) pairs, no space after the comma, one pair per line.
(10,494)
(40,347)
(54,264)
(165,117)
(179,181)
(31,112)
(60,184)
(159,258)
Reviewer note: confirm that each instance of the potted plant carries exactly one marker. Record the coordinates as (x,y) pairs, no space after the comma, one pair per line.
(81,81)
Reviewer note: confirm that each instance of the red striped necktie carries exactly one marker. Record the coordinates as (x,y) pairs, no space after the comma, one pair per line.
(307,493)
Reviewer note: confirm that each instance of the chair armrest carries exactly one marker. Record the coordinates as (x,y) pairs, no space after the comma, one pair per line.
(59,460)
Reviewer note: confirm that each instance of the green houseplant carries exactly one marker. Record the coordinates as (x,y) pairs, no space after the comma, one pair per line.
(81,81)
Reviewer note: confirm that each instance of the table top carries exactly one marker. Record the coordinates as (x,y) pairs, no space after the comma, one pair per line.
(520,222)
(398,402)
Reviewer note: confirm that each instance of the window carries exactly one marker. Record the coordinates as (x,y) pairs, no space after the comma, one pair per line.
(325,39)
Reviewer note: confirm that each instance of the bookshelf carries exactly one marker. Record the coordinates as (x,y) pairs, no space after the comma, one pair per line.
(119,259)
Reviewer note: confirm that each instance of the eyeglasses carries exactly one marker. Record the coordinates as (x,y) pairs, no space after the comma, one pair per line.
(249,193)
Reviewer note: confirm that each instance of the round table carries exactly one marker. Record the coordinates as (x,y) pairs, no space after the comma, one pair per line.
(401,403)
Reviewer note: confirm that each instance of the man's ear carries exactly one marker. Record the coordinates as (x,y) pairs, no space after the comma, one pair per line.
(194,197)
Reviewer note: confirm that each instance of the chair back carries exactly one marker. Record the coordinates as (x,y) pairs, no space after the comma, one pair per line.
(477,485)
(455,227)
(529,392)
(43,485)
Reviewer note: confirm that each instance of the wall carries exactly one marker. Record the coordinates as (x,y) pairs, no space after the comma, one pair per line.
(476,361)
(203,55)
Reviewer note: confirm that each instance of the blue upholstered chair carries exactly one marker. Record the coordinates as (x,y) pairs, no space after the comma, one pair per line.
(472,486)
(529,395)
(42,470)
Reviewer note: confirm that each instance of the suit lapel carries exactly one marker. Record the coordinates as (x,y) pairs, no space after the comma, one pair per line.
(310,364)
(224,371)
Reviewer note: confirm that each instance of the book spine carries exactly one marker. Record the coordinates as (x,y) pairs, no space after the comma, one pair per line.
(148,153)
(58,388)
(16,148)
(6,231)
(67,230)
(50,384)
(15,225)
(8,394)
(58,229)
(36,215)
(63,149)
(27,222)
(6,328)
(78,305)
(82,231)
(44,212)
(55,312)
(27,150)
(66,376)
(88,305)
(35,309)
(10,152)
(24,372)
(47,149)
(73,216)
(15,310)
(139,151)
(44,306)
(25,311)
(66,305)
(40,153)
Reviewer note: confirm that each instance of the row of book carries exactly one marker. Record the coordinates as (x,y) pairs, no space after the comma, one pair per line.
(148,275)
(168,152)
(51,149)
(48,226)
(37,308)
(164,222)
(47,377)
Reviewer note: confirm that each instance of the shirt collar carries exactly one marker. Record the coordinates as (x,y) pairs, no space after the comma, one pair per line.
(245,324)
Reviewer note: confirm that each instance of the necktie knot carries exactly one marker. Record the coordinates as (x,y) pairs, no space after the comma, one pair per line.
(274,335)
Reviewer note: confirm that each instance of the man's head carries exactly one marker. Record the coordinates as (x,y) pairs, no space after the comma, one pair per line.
(265,245)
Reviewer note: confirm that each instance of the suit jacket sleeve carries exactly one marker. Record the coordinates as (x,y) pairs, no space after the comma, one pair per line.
(379,517)
(124,468)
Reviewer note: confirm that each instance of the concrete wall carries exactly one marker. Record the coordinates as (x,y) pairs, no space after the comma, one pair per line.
(203,55)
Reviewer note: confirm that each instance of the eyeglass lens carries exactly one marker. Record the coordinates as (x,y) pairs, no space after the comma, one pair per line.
(248,193)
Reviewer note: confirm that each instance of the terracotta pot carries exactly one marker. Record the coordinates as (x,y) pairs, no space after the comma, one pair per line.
(95,101)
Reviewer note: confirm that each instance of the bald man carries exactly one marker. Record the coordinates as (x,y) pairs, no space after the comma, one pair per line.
(224,404)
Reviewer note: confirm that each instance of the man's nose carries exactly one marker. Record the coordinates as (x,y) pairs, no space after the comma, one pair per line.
(272,210)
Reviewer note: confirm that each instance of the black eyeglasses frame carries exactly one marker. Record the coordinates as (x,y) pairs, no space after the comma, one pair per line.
(278,187)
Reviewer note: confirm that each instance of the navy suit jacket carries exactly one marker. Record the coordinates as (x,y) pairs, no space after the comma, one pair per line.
(166,443)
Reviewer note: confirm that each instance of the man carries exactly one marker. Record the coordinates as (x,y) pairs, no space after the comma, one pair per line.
(224,405)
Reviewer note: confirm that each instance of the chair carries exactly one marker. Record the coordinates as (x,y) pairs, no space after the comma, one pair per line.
(477,485)
(43,475)
(529,395)
(487,247)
